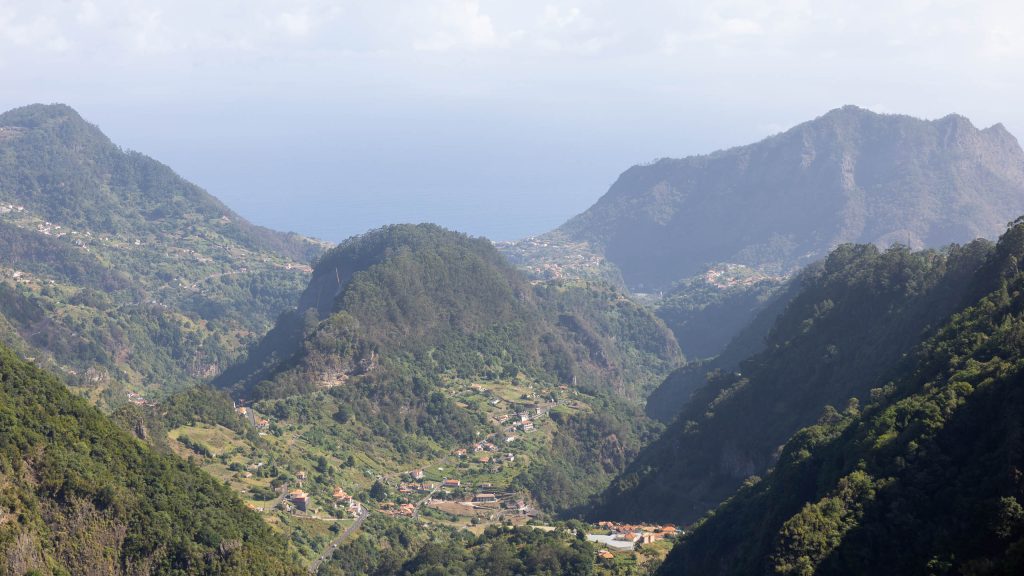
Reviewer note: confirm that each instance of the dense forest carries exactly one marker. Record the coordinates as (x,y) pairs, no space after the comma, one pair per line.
(856,317)
(386,547)
(707,311)
(921,477)
(81,496)
(676,391)
(441,302)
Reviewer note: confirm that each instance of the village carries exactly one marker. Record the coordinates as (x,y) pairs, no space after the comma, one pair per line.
(323,499)
(627,537)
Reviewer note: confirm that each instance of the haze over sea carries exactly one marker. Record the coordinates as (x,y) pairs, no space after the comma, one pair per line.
(498,119)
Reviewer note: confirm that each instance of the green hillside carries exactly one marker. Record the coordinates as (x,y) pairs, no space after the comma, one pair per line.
(669,398)
(852,324)
(421,298)
(922,477)
(707,311)
(411,341)
(119,274)
(81,496)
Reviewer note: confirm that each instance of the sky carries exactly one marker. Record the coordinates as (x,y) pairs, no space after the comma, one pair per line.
(502,119)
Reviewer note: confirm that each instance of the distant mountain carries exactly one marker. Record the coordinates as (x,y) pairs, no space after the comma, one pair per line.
(850,328)
(68,172)
(923,476)
(849,176)
(119,273)
(81,496)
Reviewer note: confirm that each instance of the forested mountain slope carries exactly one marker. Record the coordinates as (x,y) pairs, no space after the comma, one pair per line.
(924,477)
(404,326)
(855,319)
(430,298)
(668,399)
(78,495)
(849,176)
(707,311)
(119,273)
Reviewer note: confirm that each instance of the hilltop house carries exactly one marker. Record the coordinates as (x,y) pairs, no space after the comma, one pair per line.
(299,498)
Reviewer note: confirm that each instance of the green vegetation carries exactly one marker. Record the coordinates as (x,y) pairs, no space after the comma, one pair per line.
(922,478)
(668,399)
(421,300)
(387,547)
(80,496)
(120,275)
(856,317)
(417,314)
(705,312)
(588,449)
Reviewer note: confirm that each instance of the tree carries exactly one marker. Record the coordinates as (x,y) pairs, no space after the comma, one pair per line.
(378,491)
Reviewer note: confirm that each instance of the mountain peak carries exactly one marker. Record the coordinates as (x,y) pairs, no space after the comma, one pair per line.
(849,110)
(850,175)
(36,115)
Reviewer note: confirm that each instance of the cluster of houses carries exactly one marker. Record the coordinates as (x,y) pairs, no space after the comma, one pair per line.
(393,509)
(298,499)
(627,536)
(343,500)
(523,420)
(49,228)
(139,399)
(417,487)
(487,451)
(548,260)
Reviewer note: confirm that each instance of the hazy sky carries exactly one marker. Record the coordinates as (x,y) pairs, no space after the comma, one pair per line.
(496,118)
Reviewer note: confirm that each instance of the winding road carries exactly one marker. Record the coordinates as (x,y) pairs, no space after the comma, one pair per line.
(333,544)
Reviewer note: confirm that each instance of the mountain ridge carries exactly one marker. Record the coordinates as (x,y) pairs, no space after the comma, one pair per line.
(888,178)
(854,320)
(120,274)
(85,142)
(923,477)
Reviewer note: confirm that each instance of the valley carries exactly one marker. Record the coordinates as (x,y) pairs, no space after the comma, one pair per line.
(623,395)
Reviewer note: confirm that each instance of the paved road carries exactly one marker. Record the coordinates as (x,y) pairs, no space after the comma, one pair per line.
(416,512)
(329,550)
